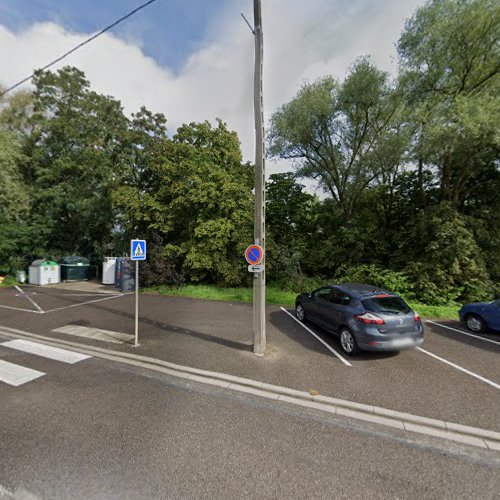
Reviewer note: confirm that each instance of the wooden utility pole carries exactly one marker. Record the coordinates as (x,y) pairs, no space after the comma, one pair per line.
(259,280)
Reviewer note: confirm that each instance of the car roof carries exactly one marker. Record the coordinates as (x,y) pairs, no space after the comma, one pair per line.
(361,290)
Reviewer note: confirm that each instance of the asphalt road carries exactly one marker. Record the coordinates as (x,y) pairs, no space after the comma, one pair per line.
(99,429)
(217,336)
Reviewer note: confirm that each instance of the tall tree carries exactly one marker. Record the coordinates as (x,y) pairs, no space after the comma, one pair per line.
(196,198)
(450,65)
(77,159)
(336,131)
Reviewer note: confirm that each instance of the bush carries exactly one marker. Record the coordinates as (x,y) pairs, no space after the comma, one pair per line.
(378,276)
(158,269)
(450,266)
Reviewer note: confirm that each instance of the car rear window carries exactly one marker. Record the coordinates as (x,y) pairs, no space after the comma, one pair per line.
(387,305)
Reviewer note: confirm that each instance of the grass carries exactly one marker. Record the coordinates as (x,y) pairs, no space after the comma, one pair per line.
(274,295)
(278,297)
(437,312)
(8,281)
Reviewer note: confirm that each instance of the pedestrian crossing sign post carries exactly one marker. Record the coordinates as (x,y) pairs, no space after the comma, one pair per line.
(138,249)
(137,253)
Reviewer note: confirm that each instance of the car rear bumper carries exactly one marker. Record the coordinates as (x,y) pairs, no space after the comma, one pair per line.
(393,344)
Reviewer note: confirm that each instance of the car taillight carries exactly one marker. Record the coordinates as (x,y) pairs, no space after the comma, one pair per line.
(369,319)
(416,316)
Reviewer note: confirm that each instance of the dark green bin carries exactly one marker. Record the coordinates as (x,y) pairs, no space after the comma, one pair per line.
(74,268)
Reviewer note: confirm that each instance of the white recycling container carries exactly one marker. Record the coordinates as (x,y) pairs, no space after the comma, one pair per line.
(108,271)
(44,272)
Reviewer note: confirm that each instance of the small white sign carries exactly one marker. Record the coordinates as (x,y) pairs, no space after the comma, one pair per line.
(255,268)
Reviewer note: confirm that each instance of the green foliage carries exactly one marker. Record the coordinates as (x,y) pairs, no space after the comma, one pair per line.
(157,269)
(198,198)
(378,276)
(274,295)
(8,281)
(337,132)
(76,159)
(13,193)
(450,265)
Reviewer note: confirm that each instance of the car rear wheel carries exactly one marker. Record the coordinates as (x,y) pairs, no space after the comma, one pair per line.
(299,312)
(475,323)
(348,342)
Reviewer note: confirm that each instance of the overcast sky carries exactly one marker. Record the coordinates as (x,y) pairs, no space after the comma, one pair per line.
(193,59)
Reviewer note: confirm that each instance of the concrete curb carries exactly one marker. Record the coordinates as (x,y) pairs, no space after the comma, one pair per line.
(464,434)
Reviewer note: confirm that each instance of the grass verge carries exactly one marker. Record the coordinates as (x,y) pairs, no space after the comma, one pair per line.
(278,297)
(274,295)
(8,281)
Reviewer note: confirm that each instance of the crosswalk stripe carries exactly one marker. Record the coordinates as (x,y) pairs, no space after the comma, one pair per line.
(95,333)
(17,375)
(45,351)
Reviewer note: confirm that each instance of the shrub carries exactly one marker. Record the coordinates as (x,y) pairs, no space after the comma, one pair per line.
(378,276)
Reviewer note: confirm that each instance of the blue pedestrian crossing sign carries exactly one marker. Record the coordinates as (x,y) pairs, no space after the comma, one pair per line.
(138,249)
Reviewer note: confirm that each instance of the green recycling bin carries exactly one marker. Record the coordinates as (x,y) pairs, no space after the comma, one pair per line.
(74,268)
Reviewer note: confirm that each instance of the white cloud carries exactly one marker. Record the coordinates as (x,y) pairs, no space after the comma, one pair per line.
(302,41)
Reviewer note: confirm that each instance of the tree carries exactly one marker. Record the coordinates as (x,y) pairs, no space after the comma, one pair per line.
(450,66)
(197,200)
(77,159)
(14,204)
(288,227)
(336,132)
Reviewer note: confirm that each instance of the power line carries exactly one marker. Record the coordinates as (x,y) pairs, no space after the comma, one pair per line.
(88,40)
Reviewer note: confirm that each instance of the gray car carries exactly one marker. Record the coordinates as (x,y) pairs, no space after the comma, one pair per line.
(363,316)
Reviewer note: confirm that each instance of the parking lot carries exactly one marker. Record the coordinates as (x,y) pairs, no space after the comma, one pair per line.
(455,376)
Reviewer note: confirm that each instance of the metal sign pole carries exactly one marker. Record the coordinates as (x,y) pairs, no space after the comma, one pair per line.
(136,303)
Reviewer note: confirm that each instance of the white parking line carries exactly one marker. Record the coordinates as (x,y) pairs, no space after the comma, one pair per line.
(45,351)
(331,349)
(17,375)
(462,332)
(85,303)
(19,309)
(468,372)
(26,296)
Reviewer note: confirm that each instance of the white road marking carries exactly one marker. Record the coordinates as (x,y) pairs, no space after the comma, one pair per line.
(331,349)
(85,303)
(19,309)
(26,296)
(95,333)
(468,372)
(55,353)
(17,375)
(463,333)
(71,294)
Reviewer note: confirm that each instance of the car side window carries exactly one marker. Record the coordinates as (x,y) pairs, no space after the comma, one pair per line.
(322,293)
(340,298)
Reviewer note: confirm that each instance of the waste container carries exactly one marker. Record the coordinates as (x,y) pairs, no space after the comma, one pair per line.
(44,272)
(108,271)
(74,268)
(124,274)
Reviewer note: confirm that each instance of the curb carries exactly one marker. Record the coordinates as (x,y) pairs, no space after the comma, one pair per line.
(464,434)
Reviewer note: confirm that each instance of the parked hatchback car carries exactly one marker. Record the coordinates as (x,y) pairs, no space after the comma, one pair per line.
(364,317)
(479,316)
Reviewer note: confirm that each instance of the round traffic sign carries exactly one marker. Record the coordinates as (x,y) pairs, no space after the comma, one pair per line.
(254,254)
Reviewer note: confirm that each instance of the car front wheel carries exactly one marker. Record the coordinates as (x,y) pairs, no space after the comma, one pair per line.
(475,323)
(348,342)
(299,312)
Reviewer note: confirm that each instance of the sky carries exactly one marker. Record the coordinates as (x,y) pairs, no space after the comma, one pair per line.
(193,59)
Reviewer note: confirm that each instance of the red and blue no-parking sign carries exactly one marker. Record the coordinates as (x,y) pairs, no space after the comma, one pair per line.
(254,254)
